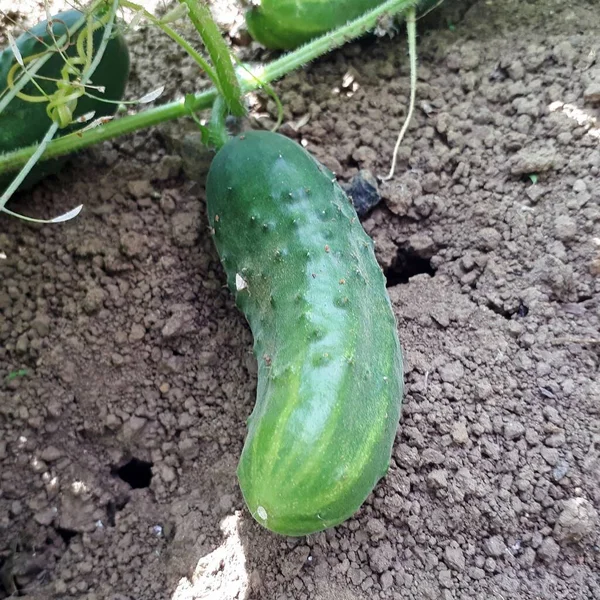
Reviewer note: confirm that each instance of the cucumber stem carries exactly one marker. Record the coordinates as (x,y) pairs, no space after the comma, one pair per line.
(217,130)
(174,110)
(227,83)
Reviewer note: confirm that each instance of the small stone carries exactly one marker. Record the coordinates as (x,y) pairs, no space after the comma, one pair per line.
(386,580)
(41,324)
(592,93)
(363,191)
(564,53)
(93,301)
(117,359)
(533,161)
(550,455)
(431,183)
(438,479)
(556,440)
(137,333)
(167,204)
(476,573)
(140,188)
(445,578)
(167,473)
(454,557)
(513,430)
(181,321)
(459,433)
(422,244)
(483,390)
(401,193)
(51,453)
(431,456)
(532,436)
(565,228)
(381,558)
(22,344)
(45,517)
(560,471)
(452,372)
(548,550)
(527,557)
(494,546)
(168,167)
(136,424)
(132,244)
(552,415)
(577,520)
(488,239)
(490,449)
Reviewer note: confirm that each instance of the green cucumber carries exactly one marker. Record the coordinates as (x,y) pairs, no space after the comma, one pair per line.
(24,123)
(330,378)
(287,24)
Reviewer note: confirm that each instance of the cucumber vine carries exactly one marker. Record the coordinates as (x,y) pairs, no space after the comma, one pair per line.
(230,84)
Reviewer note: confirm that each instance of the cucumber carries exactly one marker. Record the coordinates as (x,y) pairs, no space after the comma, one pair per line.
(25,123)
(287,24)
(330,377)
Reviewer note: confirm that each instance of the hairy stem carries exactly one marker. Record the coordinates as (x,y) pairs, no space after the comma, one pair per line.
(227,83)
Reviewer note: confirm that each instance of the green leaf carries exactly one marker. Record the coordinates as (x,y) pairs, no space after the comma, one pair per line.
(16,374)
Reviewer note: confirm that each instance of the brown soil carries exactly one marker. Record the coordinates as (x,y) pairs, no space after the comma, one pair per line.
(127,373)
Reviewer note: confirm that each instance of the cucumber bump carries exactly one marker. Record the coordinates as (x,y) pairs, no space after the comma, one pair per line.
(330,378)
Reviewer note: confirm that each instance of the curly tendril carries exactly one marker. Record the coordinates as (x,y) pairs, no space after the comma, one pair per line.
(63,102)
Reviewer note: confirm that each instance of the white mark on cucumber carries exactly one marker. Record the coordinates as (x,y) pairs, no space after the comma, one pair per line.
(240,283)
(217,218)
(261,512)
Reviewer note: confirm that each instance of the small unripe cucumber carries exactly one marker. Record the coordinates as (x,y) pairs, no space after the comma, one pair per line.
(330,379)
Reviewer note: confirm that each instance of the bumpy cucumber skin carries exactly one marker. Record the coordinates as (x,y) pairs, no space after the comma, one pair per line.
(330,377)
(287,24)
(24,123)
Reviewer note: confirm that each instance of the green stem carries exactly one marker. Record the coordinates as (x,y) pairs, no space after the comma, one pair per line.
(220,55)
(218,135)
(174,110)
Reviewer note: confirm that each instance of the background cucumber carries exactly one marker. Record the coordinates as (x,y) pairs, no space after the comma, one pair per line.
(24,123)
(330,379)
(286,24)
